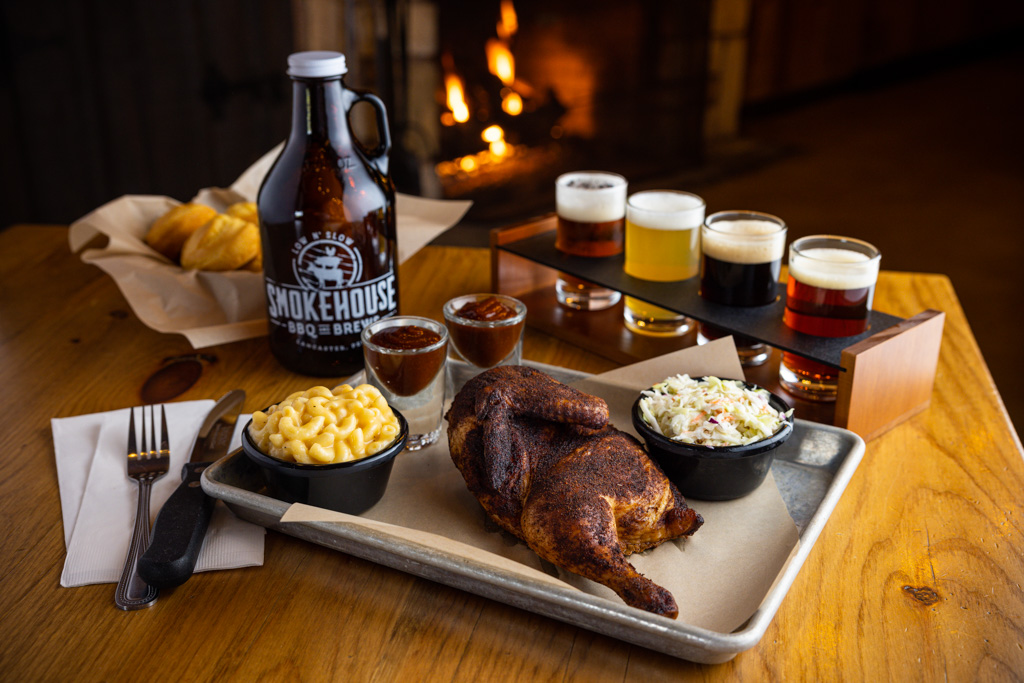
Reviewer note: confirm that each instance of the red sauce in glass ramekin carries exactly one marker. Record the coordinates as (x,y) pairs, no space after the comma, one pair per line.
(485,347)
(406,374)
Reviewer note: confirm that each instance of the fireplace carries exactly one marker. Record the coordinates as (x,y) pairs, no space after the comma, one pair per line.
(493,100)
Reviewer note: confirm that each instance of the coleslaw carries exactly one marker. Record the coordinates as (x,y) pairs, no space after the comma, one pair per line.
(711,412)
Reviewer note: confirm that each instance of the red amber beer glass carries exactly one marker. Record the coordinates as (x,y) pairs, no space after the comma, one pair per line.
(829,292)
(740,264)
(591,210)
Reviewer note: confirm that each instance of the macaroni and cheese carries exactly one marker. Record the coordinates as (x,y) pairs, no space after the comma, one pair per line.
(320,426)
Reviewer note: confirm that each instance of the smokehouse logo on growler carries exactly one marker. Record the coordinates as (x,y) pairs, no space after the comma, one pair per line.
(328,263)
(326,303)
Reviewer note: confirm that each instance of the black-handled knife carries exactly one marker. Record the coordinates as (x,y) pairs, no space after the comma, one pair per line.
(181,525)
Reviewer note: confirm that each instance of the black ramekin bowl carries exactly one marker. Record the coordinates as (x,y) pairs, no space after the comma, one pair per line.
(351,487)
(720,473)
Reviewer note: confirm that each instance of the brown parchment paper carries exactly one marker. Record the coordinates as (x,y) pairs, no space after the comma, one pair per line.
(214,308)
(718,576)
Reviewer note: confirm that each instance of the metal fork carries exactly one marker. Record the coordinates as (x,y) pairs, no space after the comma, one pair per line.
(144,466)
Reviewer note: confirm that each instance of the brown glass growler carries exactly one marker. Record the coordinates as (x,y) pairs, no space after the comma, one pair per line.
(327,222)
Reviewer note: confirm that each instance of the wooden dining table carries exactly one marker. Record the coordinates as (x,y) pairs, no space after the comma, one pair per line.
(917,575)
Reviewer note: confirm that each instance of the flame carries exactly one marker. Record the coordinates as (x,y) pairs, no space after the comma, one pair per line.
(502,64)
(509,23)
(492,133)
(512,103)
(456,98)
(498,152)
(499,148)
(500,61)
(495,137)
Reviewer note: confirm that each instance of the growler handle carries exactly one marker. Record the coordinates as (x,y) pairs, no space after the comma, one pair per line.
(378,156)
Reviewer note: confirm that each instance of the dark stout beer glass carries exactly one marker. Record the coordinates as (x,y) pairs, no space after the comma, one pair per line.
(591,210)
(831,285)
(741,260)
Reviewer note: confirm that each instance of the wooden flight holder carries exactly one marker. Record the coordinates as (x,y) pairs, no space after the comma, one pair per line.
(887,374)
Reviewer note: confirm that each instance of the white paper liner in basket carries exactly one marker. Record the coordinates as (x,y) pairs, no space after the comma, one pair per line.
(211,308)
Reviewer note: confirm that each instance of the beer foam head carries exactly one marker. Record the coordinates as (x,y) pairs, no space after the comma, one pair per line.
(833,267)
(665,210)
(745,240)
(590,196)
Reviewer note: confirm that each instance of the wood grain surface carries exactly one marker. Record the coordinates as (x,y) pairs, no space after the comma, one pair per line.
(917,575)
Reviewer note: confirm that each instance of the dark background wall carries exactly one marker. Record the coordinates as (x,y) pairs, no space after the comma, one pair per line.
(799,46)
(100,99)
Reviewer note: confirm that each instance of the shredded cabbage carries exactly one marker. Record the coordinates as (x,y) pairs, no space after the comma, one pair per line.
(712,412)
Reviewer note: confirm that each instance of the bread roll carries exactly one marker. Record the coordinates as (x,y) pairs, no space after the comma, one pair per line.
(223,243)
(247,212)
(244,210)
(256,265)
(169,232)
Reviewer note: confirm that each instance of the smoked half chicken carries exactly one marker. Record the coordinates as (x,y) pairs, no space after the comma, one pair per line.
(547,467)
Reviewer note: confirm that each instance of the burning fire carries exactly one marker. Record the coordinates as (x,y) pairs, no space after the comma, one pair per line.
(501,64)
(500,61)
(456,99)
(498,150)
(511,102)
(495,137)
(509,23)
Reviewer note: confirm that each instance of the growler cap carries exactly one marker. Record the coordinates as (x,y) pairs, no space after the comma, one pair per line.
(316,64)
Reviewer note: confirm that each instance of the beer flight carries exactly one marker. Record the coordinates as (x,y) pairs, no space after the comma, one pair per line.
(666,237)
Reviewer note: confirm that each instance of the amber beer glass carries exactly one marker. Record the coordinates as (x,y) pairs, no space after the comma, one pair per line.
(663,245)
(829,292)
(591,211)
(740,265)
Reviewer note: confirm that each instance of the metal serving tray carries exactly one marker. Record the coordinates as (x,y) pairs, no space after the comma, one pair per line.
(811,471)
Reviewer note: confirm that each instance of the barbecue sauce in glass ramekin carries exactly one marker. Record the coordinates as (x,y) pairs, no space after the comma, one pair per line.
(485,345)
(406,374)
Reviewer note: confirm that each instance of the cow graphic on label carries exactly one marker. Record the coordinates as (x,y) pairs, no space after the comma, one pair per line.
(327,264)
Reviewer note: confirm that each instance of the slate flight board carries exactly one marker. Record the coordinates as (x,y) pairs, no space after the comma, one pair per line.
(761,322)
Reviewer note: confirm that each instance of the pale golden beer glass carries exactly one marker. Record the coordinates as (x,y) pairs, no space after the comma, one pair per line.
(662,245)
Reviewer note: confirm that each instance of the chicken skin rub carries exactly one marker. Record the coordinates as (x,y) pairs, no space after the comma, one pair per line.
(547,467)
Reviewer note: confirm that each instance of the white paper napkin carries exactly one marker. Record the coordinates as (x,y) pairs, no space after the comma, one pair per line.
(98,499)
